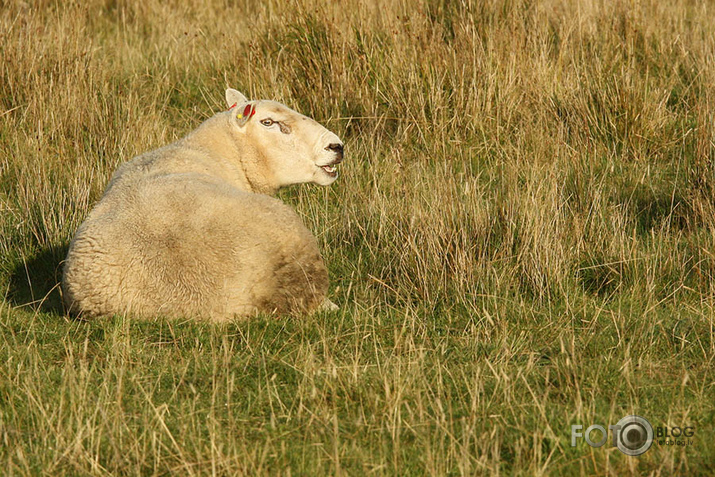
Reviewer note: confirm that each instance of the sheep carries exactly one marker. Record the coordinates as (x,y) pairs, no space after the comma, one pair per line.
(191,229)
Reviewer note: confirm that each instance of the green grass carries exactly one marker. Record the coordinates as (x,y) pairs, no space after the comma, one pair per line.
(522,238)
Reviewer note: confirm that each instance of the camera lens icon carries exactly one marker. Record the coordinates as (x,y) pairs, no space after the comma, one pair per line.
(635,435)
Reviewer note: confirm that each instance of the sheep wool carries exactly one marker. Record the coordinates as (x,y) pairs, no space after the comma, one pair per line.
(191,229)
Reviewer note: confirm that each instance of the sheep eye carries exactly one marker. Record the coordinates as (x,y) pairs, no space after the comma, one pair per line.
(267,122)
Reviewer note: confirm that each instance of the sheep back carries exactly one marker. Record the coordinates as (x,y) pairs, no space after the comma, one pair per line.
(188,244)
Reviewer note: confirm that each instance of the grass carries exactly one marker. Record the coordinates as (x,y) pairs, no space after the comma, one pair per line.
(522,239)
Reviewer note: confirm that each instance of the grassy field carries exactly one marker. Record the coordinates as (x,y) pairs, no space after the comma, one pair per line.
(522,238)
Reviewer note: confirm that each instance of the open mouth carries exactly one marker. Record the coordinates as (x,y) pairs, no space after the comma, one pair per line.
(330,169)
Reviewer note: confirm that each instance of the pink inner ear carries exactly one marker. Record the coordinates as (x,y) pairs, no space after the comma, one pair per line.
(253,110)
(232,106)
(247,110)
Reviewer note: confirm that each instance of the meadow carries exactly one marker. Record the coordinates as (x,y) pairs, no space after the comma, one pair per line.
(522,238)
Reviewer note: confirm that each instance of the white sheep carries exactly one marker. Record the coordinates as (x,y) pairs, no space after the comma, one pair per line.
(188,230)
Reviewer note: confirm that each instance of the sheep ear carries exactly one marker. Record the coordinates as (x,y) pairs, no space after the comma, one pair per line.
(234,98)
(243,112)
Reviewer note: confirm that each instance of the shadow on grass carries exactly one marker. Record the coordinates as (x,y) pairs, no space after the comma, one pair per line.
(35,282)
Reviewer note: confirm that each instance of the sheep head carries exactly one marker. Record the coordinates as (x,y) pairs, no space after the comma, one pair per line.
(295,148)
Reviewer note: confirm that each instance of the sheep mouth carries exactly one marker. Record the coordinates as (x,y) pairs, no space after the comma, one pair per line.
(330,169)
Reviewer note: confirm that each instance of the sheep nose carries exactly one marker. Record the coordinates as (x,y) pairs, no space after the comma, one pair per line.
(337,148)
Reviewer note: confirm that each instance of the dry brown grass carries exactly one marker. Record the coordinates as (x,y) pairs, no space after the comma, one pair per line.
(522,238)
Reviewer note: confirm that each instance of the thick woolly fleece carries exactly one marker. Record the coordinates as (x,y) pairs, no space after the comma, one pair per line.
(188,230)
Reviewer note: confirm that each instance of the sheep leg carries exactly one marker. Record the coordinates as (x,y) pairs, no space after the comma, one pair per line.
(328,305)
